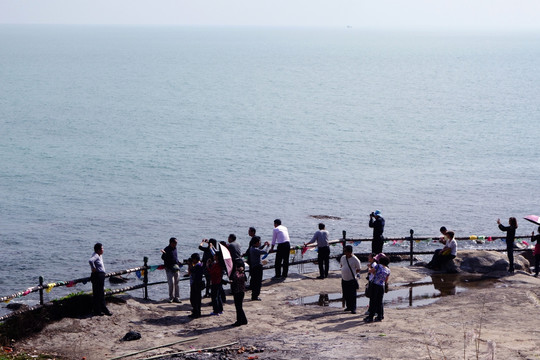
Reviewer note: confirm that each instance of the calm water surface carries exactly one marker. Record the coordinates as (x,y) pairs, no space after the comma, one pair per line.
(131,135)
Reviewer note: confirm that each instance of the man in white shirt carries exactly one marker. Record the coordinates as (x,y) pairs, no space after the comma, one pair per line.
(98,281)
(350,266)
(280,236)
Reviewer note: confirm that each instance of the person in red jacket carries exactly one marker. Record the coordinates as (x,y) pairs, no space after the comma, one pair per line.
(216,288)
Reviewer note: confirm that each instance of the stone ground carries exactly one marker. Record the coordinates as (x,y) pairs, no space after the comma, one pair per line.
(503,316)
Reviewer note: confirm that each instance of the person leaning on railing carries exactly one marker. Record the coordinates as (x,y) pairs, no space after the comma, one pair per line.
(280,237)
(323,250)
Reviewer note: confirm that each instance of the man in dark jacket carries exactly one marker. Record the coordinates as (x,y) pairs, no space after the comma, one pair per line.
(172,269)
(377,223)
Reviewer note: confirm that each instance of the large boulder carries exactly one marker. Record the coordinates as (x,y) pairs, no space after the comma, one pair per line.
(484,262)
(450,267)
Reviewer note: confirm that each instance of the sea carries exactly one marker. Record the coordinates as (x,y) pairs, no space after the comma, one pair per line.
(130,135)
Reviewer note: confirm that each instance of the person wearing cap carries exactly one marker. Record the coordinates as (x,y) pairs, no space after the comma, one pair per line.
(376,222)
(169,255)
(379,282)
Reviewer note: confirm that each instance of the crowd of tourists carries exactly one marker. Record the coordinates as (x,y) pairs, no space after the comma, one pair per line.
(209,273)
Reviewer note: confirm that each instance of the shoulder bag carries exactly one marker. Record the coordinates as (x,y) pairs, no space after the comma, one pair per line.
(352,272)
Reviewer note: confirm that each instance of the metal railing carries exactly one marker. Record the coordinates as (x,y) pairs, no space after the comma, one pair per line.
(142,271)
(412,240)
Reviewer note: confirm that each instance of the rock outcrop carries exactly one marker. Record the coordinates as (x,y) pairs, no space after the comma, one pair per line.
(491,263)
(484,262)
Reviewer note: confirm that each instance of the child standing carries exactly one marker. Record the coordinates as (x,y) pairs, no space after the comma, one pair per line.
(195,280)
(381,273)
(215,272)
(238,287)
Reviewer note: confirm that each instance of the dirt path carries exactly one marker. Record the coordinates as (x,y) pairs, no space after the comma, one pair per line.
(506,315)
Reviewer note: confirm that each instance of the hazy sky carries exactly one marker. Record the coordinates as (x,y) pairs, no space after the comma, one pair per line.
(386,14)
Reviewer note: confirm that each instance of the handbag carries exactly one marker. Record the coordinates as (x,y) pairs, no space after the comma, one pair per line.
(369,290)
(355,279)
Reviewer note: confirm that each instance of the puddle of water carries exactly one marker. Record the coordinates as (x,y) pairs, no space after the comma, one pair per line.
(419,293)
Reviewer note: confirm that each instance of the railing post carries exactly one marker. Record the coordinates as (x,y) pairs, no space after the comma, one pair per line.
(145,278)
(411,246)
(41,290)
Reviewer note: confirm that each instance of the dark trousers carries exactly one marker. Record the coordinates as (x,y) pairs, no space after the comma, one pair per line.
(217,299)
(207,278)
(537,264)
(349,293)
(223,297)
(240,314)
(510,252)
(438,260)
(434,260)
(195,299)
(256,273)
(282,259)
(323,258)
(376,301)
(98,292)
(377,245)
